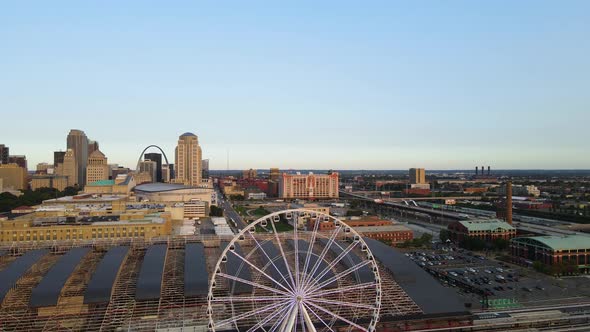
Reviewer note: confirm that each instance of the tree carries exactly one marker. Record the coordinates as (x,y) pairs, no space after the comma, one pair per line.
(500,244)
(216,211)
(444,235)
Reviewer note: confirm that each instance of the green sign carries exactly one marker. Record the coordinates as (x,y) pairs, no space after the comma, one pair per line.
(501,303)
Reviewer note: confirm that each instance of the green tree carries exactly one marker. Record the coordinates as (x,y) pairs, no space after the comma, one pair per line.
(444,235)
(216,211)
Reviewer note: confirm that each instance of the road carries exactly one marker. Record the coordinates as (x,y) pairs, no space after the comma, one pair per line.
(229,211)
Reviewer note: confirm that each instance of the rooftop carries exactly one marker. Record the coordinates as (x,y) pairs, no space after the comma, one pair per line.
(486,224)
(102,183)
(382,229)
(567,242)
(187,134)
(156,187)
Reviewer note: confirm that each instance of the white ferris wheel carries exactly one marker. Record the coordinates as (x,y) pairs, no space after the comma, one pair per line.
(275,277)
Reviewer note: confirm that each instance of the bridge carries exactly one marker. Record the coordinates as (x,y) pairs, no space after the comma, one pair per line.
(400,203)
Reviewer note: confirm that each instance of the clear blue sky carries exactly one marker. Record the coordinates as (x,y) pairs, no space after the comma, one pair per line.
(302,84)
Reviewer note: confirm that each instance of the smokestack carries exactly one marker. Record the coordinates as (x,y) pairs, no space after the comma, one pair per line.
(482,170)
(476,170)
(509,202)
(489,171)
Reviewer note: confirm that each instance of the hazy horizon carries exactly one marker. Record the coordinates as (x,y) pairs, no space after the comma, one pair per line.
(340,85)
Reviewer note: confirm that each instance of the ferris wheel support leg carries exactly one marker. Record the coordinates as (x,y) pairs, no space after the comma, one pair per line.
(289,323)
(308,323)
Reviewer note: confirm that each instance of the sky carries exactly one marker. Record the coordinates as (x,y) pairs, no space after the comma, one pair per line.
(302,84)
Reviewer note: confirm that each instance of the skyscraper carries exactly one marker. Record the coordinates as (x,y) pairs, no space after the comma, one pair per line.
(205,166)
(78,142)
(98,168)
(20,160)
(417,176)
(156,157)
(69,168)
(92,146)
(3,154)
(58,157)
(188,160)
(150,167)
(274,174)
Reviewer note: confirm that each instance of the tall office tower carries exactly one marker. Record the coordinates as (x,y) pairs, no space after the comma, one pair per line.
(92,146)
(149,167)
(43,168)
(205,171)
(157,158)
(249,174)
(58,157)
(188,160)
(98,168)
(274,174)
(417,176)
(20,160)
(166,173)
(13,177)
(69,168)
(78,142)
(3,154)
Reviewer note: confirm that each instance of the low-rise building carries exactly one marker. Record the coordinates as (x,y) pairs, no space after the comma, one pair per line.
(518,190)
(58,182)
(256,195)
(123,184)
(34,229)
(485,229)
(394,234)
(196,208)
(552,250)
(170,193)
(233,190)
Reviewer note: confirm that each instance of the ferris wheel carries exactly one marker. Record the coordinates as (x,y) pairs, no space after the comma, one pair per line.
(295,270)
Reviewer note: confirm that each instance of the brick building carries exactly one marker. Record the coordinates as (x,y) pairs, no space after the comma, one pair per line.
(552,250)
(485,229)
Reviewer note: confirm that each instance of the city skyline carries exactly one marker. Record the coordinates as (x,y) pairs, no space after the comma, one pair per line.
(378,85)
(128,158)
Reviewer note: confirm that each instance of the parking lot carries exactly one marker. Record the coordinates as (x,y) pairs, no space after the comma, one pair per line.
(503,285)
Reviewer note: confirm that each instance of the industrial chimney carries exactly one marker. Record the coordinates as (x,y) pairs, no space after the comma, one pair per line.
(509,202)
(489,171)
(476,171)
(482,170)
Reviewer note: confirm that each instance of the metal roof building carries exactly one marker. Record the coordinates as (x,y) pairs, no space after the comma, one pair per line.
(557,243)
(160,284)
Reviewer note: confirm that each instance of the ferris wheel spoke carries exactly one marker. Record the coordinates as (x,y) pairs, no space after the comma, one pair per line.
(310,247)
(333,263)
(347,304)
(259,270)
(272,262)
(320,259)
(318,317)
(248,314)
(267,319)
(336,277)
(333,314)
(283,317)
(238,279)
(287,266)
(342,289)
(301,318)
(249,298)
(296,245)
